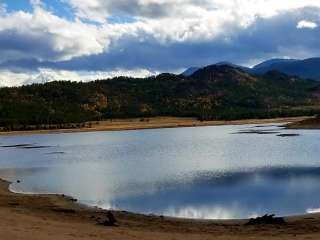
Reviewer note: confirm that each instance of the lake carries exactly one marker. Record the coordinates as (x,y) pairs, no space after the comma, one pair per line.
(216,172)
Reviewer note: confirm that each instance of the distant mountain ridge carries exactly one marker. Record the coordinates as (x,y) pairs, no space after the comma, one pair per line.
(267,65)
(188,72)
(218,91)
(307,68)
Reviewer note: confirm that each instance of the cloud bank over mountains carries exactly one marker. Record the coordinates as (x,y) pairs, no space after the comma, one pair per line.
(83,37)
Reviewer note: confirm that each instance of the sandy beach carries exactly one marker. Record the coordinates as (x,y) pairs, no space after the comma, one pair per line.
(44,217)
(153,123)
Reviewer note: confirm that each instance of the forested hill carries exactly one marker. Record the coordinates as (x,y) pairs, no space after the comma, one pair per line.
(214,92)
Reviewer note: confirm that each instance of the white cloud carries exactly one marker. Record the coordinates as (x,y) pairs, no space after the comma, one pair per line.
(184,20)
(156,31)
(100,9)
(313,210)
(36,3)
(11,79)
(306,24)
(44,36)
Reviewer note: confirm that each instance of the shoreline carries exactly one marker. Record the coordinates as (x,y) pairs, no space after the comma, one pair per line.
(152,123)
(53,216)
(306,124)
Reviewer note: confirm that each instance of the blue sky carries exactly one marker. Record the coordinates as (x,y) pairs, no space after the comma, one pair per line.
(17,5)
(42,40)
(55,6)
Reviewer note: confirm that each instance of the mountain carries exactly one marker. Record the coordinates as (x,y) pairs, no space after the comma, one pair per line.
(222,73)
(308,68)
(212,92)
(267,65)
(233,65)
(188,72)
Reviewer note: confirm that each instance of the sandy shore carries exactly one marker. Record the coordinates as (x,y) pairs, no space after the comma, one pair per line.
(44,217)
(152,123)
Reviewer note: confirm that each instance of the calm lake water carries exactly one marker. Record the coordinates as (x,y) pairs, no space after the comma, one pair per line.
(205,172)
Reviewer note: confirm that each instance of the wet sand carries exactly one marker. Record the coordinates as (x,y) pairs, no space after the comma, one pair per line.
(44,217)
(153,123)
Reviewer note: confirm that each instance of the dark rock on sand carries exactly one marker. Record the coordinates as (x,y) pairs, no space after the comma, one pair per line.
(110,221)
(64,210)
(13,204)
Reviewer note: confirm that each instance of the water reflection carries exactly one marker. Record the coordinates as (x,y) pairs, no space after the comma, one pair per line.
(236,195)
(188,172)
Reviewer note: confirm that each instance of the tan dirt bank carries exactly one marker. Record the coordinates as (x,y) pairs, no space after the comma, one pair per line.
(309,123)
(151,123)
